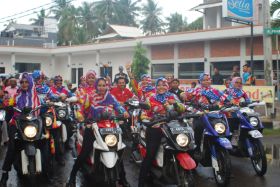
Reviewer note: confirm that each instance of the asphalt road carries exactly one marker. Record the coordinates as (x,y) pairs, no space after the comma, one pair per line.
(243,174)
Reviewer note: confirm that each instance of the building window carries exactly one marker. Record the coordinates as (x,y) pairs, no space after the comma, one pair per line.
(275,66)
(76,74)
(27,67)
(190,70)
(258,68)
(224,67)
(161,70)
(2,70)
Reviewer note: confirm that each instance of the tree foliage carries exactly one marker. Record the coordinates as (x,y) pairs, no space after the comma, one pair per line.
(152,23)
(140,64)
(176,23)
(195,25)
(81,24)
(275,5)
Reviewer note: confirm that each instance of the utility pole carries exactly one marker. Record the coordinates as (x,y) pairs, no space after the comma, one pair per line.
(267,47)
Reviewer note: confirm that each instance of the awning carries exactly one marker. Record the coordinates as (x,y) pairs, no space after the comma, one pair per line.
(206,5)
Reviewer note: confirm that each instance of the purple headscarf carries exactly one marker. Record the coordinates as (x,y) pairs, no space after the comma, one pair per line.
(27,98)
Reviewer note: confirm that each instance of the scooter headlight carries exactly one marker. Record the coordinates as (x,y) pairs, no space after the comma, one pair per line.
(111,140)
(254,121)
(61,113)
(30,131)
(49,121)
(182,140)
(220,128)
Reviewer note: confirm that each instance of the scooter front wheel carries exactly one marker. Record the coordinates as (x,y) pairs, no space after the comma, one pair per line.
(222,177)
(258,159)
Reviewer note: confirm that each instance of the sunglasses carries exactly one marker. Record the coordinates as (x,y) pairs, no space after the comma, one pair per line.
(59,81)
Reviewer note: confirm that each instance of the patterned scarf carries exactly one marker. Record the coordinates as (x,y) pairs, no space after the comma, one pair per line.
(162,98)
(148,87)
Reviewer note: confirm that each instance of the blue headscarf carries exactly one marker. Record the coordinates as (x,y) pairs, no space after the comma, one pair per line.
(149,87)
(201,77)
(162,98)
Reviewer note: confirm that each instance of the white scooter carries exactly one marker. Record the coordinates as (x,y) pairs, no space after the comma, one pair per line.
(107,149)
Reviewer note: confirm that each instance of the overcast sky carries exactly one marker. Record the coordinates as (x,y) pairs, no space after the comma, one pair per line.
(11,7)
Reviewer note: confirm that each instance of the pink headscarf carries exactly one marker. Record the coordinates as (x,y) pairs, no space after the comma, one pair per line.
(90,72)
(233,81)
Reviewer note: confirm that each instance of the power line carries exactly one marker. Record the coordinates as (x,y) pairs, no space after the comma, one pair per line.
(27,10)
(15,18)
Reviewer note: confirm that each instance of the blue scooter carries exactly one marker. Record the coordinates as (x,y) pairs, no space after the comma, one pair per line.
(215,145)
(247,134)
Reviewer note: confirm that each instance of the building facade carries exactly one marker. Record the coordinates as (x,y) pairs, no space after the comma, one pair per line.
(220,44)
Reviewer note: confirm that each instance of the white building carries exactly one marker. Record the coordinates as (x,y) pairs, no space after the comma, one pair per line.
(185,54)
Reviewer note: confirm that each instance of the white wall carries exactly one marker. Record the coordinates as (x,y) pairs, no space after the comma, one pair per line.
(5,61)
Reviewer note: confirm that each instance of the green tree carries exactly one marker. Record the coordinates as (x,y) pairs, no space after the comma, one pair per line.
(107,12)
(88,21)
(275,5)
(40,18)
(68,26)
(127,12)
(152,23)
(195,25)
(59,8)
(176,23)
(140,64)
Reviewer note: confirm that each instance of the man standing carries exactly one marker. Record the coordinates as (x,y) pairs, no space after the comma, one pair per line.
(175,83)
(121,93)
(121,74)
(246,77)
(217,77)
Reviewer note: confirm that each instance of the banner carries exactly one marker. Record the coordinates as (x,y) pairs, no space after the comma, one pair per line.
(260,93)
(243,10)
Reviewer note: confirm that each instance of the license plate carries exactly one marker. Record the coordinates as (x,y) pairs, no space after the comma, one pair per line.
(111,131)
(256,134)
(178,130)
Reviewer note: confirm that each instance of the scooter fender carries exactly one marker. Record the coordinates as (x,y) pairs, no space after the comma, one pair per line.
(186,161)
(224,142)
(30,149)
(109,159)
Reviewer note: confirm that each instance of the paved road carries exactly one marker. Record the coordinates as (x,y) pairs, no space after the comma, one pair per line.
(242,175)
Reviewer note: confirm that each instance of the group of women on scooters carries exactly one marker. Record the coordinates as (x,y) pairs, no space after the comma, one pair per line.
(95,102)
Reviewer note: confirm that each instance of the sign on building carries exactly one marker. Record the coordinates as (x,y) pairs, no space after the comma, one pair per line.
(243,10)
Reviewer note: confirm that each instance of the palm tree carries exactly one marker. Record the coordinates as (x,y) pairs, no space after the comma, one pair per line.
(176,23)
(128,11)
(67,26)
(152,23)
(107,12)
(40,18)
(88,21)
(59,7)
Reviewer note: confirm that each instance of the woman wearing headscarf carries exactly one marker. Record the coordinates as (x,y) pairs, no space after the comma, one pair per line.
(83,94)
(58,89)
(236,93)
(160,103)
(144,89)
(26,97)
(207,97)
(237,96)
(83,81)
(102,101)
